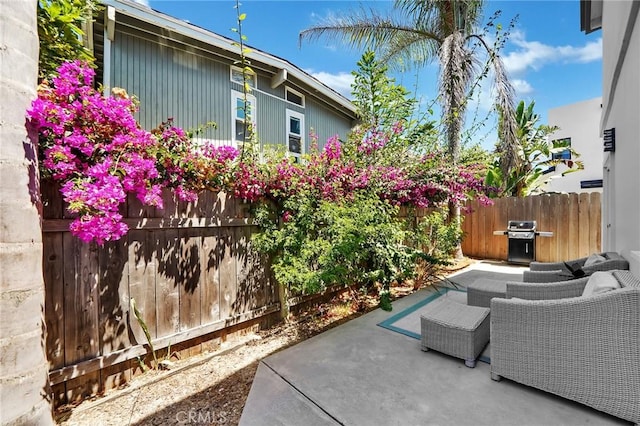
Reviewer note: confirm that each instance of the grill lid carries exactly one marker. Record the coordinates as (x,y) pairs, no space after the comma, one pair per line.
(522,225)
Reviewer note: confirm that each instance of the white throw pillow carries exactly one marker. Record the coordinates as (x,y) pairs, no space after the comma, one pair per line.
(593,259)
(600,282)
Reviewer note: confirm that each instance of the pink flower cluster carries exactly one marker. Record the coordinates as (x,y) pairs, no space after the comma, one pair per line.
(93,145)
(189,167)
(332,175)
(373,141)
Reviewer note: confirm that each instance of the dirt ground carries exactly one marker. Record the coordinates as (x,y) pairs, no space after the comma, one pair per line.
(211,388)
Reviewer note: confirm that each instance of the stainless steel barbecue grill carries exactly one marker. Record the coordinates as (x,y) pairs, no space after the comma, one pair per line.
(522,240)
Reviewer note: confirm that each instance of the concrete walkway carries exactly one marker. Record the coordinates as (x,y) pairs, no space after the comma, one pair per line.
(362,374)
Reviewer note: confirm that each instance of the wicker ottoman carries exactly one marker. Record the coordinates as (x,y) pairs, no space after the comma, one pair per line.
(455,329)
(480,292)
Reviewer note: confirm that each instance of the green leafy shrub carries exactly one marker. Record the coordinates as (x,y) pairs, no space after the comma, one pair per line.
(437,236)
(60,24)
(323,243)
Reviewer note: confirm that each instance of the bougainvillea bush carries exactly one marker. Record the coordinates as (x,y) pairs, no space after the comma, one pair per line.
(332,219)
(93,146)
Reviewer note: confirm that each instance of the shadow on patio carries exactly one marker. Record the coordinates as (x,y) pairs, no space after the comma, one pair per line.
(362,374)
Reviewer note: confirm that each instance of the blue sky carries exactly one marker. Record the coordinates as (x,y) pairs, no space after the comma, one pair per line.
(548,59)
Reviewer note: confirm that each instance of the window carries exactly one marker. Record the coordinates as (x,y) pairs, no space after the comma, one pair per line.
(564,154)
(294,97)
(295,133)
(236,76)
(238,112)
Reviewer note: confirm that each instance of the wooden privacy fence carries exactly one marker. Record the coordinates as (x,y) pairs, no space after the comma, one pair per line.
(574,219)
(190,268)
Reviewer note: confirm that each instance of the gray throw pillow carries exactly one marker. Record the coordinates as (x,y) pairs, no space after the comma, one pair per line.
(600,282)
(593,259)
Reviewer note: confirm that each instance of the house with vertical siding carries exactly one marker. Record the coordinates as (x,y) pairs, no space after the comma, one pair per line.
(182,71)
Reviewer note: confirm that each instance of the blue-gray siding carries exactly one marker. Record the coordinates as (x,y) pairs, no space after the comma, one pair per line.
(171,83)
(193,87)
(325,122)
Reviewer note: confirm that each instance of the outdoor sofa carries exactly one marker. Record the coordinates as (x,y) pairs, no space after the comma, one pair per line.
(585,348)
(561,271)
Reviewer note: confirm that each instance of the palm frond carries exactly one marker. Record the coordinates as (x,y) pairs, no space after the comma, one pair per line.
(364,28)
(504,95)
(457,68)
(409,49)
(447,16)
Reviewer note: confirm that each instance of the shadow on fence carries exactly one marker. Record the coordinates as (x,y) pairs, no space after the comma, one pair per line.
(190,267)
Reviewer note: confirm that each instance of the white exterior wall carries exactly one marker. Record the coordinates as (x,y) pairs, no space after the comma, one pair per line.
(621,110)
(581,123)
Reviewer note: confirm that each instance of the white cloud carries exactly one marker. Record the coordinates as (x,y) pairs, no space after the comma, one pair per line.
(534,54)
(142,2)
(340,82)
(522,87)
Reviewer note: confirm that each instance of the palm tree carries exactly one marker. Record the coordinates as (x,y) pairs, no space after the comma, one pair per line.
(23,369)
(420,31)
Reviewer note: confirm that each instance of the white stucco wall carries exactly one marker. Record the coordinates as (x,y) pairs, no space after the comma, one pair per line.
(580,122)
(621,110)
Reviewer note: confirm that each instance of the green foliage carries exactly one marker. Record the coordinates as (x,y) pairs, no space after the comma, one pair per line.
(475,154)
(436,236)
(535,154)
(380,102)
(336,222)
(60,32)
(321,244)
(250,137)
(382,105)
(145,329)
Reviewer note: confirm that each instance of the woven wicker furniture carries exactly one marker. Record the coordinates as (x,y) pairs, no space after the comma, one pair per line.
(558,271)
(455,329)
(545,291)
(481,291)
(586,349)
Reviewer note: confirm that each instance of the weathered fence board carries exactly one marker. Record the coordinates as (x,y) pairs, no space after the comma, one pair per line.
(210,308)
(574,220)
(114,295)
(54,302)
(190,267)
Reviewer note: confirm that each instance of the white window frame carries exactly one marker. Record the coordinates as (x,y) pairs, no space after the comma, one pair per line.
(235,95)
(252,80)
(288,89)
(300,116)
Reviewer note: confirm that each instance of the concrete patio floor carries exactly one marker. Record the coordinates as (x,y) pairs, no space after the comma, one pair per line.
(362,374)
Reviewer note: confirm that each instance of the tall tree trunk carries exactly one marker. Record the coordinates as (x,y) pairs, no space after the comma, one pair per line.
(23,366)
